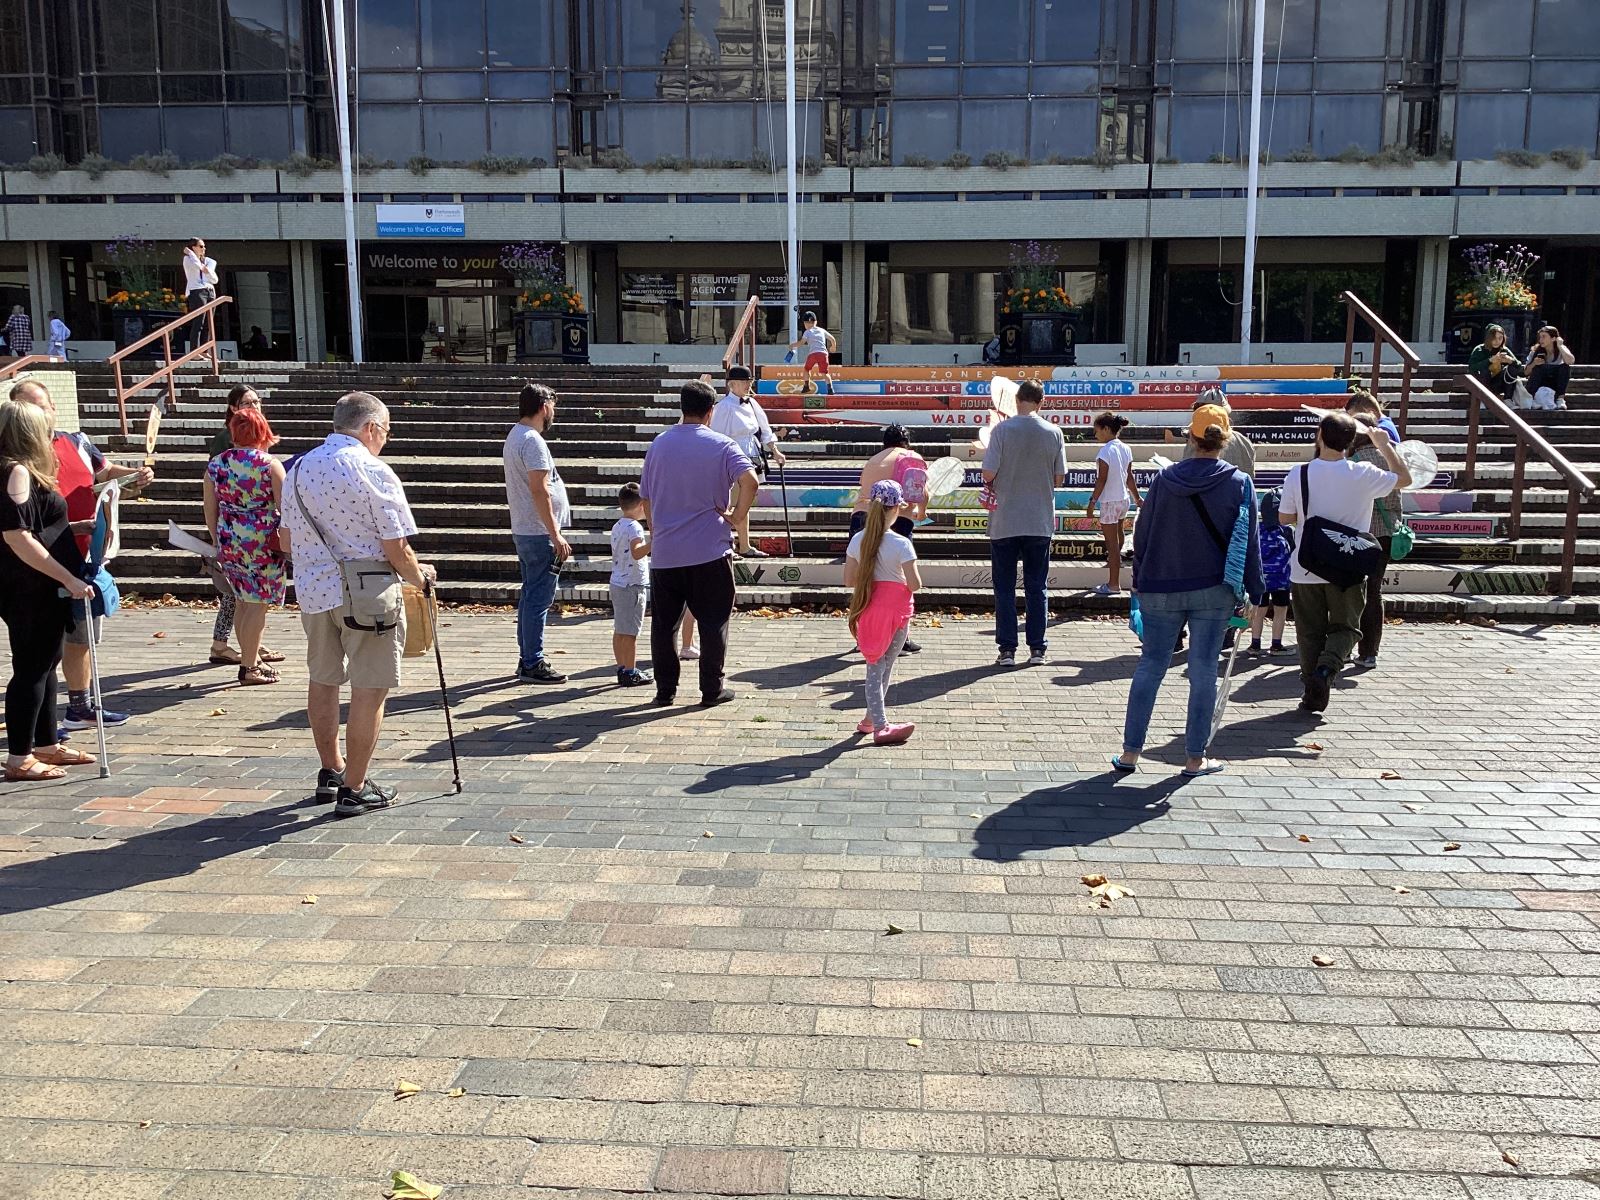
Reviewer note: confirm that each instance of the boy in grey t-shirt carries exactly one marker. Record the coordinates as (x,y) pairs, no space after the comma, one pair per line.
(1025,462)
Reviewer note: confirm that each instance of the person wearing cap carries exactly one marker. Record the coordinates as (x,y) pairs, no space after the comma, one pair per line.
(739,416)
(1240,451)
(1180,559)
(1327,617)
(818,344)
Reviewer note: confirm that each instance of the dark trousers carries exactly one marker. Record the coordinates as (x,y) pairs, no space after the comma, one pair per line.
(35,626)
(1555,376)
(1034,555)
(1327,624)
(1372,614)
(904,526)
(707,591)
(195,333)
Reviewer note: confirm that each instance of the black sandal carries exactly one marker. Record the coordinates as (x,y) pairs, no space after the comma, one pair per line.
(255,677)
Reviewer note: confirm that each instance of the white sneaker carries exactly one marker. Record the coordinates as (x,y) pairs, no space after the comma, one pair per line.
(1006,658)
(689,653)
(1036,659)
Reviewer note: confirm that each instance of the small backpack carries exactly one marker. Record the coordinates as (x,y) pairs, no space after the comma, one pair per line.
(911,473)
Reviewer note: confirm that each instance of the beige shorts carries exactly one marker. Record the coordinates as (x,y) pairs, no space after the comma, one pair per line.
(336,654)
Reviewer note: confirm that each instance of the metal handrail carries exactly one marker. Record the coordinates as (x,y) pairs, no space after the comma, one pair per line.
(742,345)
(206,349)
(26,361)
(1382,336)
(1579,486)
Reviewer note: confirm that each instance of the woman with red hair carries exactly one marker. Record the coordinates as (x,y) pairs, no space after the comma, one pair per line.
(243,489)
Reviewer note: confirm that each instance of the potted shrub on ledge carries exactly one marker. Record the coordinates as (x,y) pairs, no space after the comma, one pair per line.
(1038,322)
(550,320)
(140,305)
(1495,292)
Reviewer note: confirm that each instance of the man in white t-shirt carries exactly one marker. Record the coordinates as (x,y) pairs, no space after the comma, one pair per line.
(539,512)
(738,415)
(1327,618)
(818,344)
(199,285)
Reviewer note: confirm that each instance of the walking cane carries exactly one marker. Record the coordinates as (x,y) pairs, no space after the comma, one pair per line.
(783,487)
(428,598)
(1237,622)
(94,684)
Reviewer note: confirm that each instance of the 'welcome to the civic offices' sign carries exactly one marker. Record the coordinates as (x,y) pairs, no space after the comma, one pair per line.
(422,220)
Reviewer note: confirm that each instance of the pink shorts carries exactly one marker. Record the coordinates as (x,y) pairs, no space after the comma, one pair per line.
(1112,511)
(817,362)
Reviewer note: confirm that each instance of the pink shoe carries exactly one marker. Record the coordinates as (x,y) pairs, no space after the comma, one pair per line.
(893,735)
(865,725)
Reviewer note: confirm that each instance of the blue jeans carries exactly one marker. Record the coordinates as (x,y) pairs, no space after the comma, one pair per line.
(537,556)
(1207,612)
(1034,555)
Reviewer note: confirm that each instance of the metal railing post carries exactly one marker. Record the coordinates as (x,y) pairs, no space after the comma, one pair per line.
(1518,474)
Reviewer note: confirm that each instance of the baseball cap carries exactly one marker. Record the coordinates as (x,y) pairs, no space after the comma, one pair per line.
(1206,416)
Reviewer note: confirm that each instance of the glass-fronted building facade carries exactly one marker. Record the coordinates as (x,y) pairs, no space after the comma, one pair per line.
(902,103)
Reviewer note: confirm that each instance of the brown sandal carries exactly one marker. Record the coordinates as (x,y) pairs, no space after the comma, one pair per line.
(64,756)
(255,677)
(33,771)
(269,656)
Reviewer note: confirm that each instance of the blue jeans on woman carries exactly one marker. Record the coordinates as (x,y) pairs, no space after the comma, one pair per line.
(536,554)
(1206,611)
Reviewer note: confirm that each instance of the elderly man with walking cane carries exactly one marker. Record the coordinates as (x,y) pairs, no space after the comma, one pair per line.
(739,416)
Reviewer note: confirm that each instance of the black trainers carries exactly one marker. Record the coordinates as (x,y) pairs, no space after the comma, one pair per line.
(540,672)
(329,782)
(725,696)
(634,677)
(370,798)
(661,701)
(910,647)
(1318,689)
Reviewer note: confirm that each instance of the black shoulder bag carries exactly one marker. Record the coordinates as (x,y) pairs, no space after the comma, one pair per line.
(1341,555)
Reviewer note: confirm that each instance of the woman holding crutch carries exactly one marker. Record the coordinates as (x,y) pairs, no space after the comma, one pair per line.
(39,577)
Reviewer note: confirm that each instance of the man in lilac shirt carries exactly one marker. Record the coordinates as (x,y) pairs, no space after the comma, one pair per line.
(689,474)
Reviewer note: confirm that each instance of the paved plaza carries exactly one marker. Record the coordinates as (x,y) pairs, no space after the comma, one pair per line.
(741,953)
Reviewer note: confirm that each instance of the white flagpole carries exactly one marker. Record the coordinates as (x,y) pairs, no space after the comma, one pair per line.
(341,74)
(1253,187)
(794,207)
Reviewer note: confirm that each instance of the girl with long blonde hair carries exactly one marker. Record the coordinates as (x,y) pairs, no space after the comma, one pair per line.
(880,567)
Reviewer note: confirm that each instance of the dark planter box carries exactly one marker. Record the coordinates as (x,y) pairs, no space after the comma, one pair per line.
(552,337)
(1464,330)
(131,324)
(1046,339)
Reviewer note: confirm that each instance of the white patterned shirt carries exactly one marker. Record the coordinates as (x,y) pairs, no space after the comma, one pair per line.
(357,502)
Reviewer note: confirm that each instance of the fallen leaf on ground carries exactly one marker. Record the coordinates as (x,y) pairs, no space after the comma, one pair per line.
(1410,808)
(456,1093)
(518,838)
(1400,891)
(1301,838)
(1511,670)
(935,623)
(1103,890)
(308,899)
(707,833)
(144,1124)
(1452,845)
(1091,880)
(406,1089)
(1510,1159)
(1390,775)
(914,1042)
(219,712)
(158,634)
(976,816)
(1321,960)
(406,1186)
(892,930)
(1317,746)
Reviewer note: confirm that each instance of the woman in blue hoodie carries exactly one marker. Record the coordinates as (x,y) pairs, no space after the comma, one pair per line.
(1180,561)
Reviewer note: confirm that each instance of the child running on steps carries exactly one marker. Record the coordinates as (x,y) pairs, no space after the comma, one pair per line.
(881,566)
(1114,491)
(1275,550)
(630,586)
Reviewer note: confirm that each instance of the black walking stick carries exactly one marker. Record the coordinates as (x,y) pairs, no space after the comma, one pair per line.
(430,602)
(783,487)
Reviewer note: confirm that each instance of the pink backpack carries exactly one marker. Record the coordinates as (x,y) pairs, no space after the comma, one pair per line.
(911,473)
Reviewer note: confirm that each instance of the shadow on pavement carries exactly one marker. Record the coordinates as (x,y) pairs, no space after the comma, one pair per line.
(788,769)
(1082,813)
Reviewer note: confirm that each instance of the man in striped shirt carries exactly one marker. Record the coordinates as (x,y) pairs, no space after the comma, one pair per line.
(19,332)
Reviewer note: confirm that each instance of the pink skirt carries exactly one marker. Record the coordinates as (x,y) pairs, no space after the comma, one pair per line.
(888,612)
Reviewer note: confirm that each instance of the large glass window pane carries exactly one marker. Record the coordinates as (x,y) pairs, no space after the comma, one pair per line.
(721,131)
(387,33)
(770,136)
(454,132)
(1202,127)
(1497,28)
(1062,129)
(391,131)
(13,39)
(1564,120)
(1352,29)
(654,32)
(995,81)
(1066,81)
(125,35)
(1291,30)
(997,30)
(374,85)
(1489,75)
(923,129)
(521,131)
(257,34)
(1567,28)
(191,35)
(1486,125)
(1343,121)
(254,89)
(652,130)
(452,33)
(1200,306)
(932,81)
(520,85)
(16,134)
(519,33)
(1202,29)
(1349,76)
(452,85)
(1066,30)
(994,125)
(1285,124)
(257,131)
(927,31)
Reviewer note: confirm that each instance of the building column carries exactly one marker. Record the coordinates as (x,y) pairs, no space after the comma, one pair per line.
(1433,288)
(305,282)
(44,288)
(988,303)
(853,320)
(899,310)
(579,272)
(939,307)
(1136,300)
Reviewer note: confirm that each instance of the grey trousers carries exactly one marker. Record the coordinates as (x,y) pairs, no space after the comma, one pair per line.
(878,680)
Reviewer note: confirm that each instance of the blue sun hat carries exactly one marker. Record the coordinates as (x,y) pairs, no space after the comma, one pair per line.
(887,493)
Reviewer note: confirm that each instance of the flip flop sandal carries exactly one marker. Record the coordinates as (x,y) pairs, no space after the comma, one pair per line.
(219,660)
(270,656)
(65,757)
(1208,769)
(35,772)
(1125,768)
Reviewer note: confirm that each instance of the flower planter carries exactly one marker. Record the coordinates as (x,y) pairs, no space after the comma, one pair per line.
(1464,330)
(131,324)
(552,336)
(1044,339)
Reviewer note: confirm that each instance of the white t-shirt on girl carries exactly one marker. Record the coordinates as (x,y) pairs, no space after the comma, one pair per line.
(894,552)
(1118,457)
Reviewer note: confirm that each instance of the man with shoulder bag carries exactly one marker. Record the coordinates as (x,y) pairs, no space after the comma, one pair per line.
(1330,501)
(347,525)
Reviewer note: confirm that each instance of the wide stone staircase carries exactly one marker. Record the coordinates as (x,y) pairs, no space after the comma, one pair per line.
(449,422)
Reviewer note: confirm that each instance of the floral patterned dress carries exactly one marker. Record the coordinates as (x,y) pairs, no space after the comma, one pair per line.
(247,517)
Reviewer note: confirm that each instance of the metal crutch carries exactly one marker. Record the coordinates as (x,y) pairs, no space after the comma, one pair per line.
(428,600)
(1238,622)
(783,487)
(94,686)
